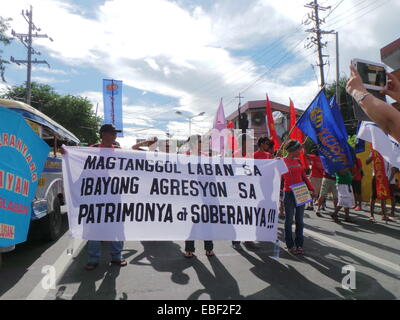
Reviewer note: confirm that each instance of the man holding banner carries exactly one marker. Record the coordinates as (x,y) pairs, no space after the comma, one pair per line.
(108,135)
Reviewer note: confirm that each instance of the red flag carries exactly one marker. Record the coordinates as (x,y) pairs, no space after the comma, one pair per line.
(297,134)
(381,179)
(271,125)
(232,143)
(293,131)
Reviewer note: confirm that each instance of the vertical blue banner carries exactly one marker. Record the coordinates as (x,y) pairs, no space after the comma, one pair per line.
(112,100)
(22,158)
(320,122)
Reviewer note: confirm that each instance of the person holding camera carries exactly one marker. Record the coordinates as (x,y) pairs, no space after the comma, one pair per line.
(386,116)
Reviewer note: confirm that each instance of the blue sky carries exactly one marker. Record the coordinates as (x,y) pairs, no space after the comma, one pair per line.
(185,55)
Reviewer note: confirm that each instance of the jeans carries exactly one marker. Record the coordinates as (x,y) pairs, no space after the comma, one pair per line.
(189,245)
(94,250)
(292,211)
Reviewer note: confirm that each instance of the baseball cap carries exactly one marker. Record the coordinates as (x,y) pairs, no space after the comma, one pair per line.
(108,128)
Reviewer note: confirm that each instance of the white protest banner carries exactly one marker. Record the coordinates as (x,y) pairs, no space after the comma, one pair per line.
(115,194)
(387,146)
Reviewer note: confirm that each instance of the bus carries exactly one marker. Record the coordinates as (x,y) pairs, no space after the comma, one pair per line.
(48,204)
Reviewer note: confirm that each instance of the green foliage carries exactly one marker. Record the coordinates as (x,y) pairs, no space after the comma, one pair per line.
(4,40)
(352,140)
(346,107)
(74,113)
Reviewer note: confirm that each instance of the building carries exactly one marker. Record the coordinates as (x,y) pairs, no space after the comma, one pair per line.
(390,55)
(256,115)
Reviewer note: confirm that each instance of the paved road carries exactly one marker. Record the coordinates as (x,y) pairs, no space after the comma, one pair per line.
(158,270)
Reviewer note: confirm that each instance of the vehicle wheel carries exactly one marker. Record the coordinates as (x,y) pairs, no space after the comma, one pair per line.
(52,224)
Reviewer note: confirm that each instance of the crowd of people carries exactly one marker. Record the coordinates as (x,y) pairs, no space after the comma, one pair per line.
(344,186)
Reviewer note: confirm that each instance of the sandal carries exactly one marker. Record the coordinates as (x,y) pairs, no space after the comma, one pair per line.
(300,250)
(189,254)
(387,218)
(119,263)
(210,253)
(237,246)
(292,250)
(318,214)
(90,266)
(372,219)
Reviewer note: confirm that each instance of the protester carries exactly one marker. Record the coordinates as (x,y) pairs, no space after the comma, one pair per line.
(382,113)
(328,186)
(346,197)
(265,149)
(374,193)
(357,174)
(108,135)
(317,172)
(295,175)
(195,149)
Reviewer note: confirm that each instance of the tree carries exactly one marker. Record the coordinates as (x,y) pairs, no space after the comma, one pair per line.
(75,113)
(5,40)
(346,104)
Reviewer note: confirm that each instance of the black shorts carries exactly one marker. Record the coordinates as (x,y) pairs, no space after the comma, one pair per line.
(356,186)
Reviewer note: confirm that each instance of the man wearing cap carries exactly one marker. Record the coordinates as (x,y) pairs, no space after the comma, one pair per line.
(108,135)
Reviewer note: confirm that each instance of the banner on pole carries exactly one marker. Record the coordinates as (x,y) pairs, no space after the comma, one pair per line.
(115,194)
(112,100)
(318,122)
(22,158)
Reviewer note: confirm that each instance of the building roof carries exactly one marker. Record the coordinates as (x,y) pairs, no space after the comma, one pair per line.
(261,104)
(390,54)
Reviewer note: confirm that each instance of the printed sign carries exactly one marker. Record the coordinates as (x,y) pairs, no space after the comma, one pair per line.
(22,157)
(301,193)
(115,194)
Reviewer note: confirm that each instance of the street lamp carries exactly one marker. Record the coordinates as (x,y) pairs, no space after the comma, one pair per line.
(190,119)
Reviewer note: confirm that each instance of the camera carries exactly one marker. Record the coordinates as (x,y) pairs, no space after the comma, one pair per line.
(372,74)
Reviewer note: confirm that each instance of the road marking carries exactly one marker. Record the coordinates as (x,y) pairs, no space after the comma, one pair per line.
(355,251)
(39,293)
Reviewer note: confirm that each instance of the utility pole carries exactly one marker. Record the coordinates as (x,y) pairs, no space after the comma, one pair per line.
(243,125)
(337,70)
(316,40)
(27,40)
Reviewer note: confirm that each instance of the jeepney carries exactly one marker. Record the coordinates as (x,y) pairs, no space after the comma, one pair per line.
(47,206)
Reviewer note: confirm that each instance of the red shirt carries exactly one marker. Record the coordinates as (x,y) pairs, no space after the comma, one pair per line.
(262,155)
(317,170)
(357,170)
(296,174)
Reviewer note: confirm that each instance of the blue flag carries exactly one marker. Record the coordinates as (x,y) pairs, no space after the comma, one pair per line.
(22,158)
(112,99)
(338,116)
(319,123)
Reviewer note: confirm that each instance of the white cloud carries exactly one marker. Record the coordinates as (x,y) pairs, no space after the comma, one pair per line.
(163,47)
(48,80)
